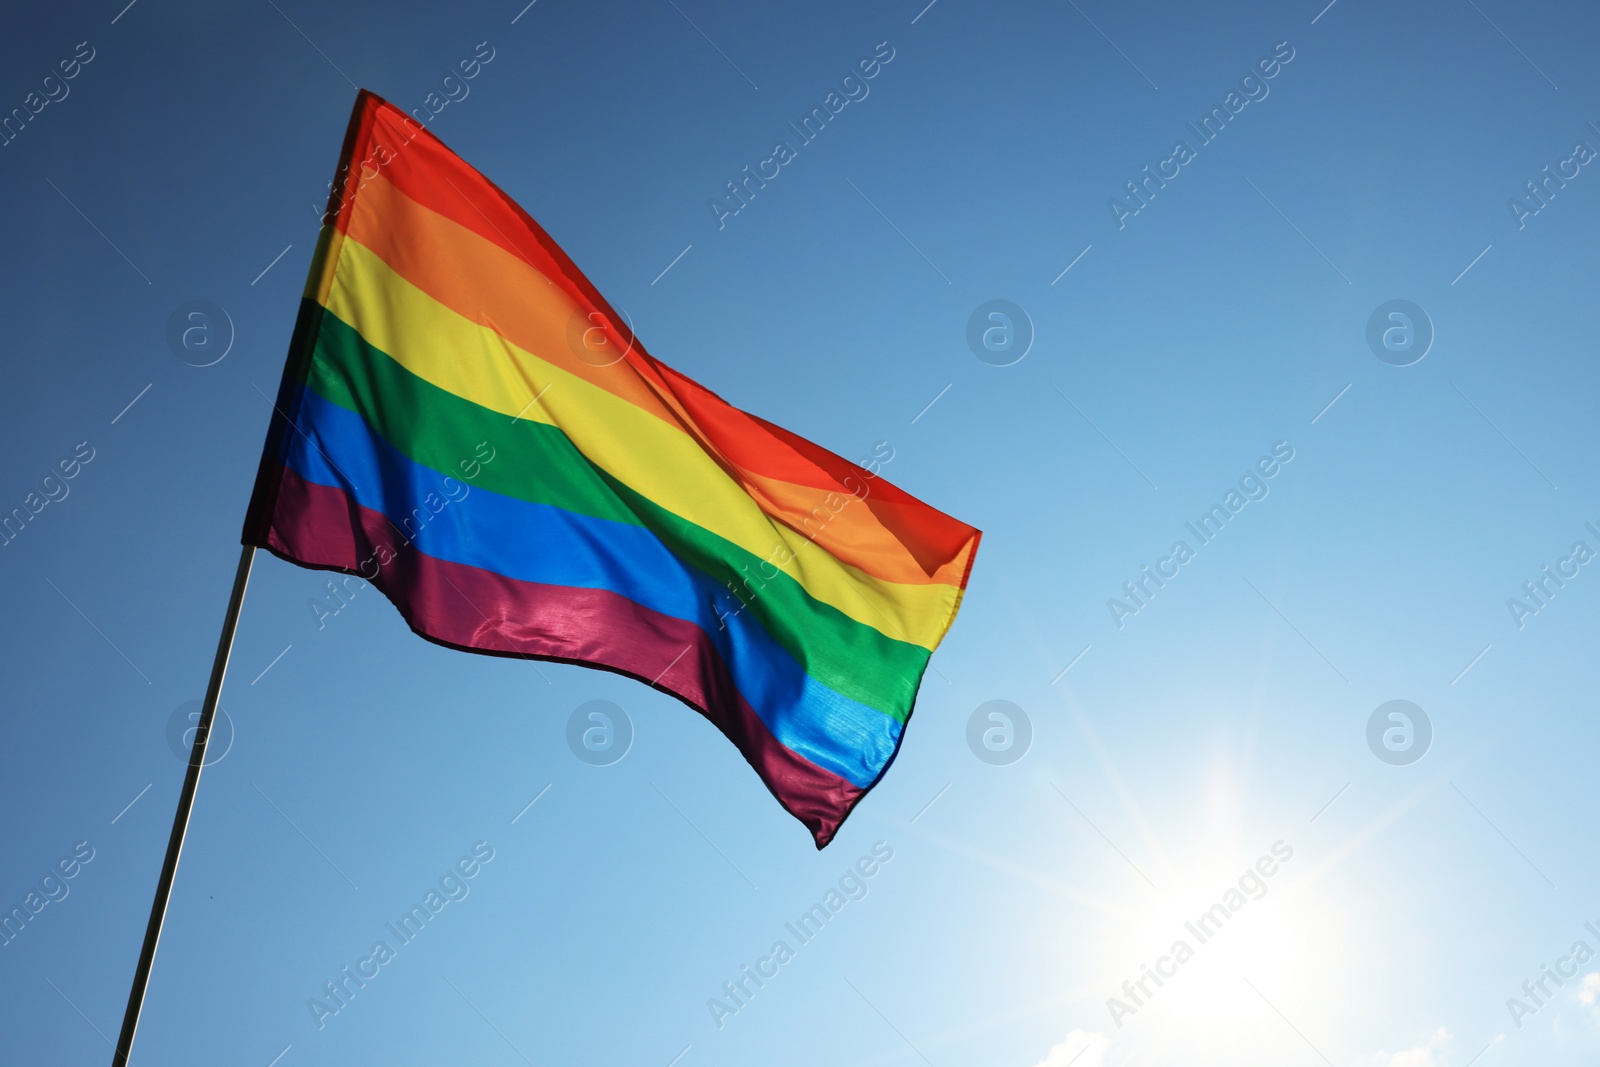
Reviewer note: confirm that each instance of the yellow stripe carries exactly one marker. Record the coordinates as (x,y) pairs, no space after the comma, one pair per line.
(324,260)
(644,452)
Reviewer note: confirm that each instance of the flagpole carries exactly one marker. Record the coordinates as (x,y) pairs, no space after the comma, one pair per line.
(180,822)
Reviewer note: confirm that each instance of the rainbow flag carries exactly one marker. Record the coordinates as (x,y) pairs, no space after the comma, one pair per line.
(467,424)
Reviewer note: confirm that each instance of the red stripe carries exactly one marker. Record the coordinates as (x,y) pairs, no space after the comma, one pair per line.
(478,611)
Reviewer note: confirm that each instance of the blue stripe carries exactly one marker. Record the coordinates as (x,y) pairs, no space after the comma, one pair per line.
(551,546)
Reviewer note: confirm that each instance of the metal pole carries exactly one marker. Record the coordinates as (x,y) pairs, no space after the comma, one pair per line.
(180,822)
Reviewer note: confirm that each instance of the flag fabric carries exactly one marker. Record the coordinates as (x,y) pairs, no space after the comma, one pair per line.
(465,423)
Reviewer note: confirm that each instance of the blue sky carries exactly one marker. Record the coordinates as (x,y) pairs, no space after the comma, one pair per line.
(186,160)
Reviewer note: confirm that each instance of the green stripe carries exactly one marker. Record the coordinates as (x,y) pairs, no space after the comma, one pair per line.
(536,462)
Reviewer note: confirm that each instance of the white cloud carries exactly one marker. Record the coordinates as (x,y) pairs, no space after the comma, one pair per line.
(1589,995)
(1082,1048)
(1421,1056)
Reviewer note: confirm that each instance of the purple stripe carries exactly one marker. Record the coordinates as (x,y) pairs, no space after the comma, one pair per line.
(476,610)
